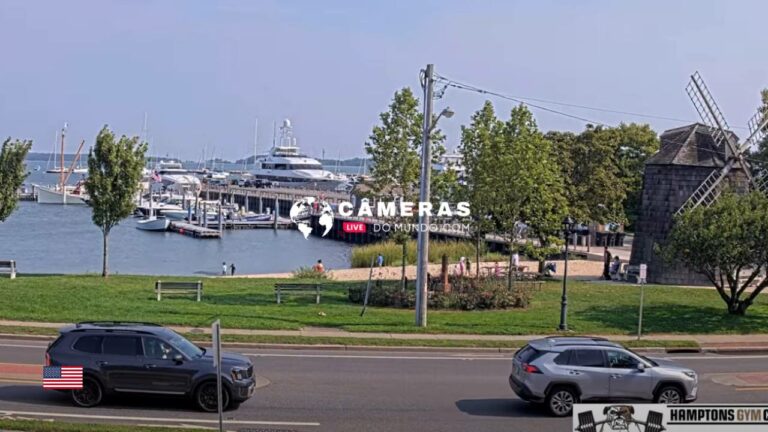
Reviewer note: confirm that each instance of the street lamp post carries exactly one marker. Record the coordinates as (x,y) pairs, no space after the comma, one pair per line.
(422,262)
(567,228)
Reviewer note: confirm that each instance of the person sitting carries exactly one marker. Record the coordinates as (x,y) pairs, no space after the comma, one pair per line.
(319,267)
(615,267)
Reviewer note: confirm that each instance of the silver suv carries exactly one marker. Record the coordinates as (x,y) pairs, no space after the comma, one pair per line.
(562,371)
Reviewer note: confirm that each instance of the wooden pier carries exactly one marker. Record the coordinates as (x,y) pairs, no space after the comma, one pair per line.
(196,231)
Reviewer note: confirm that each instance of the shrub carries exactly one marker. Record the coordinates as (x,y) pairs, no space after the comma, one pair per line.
(309,273)
(393,252)
(470,294)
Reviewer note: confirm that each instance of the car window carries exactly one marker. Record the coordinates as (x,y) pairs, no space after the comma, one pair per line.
(563,358)
(621,360)
(587,358)
(89,344)
(528,354)
(122,345)
(156,349)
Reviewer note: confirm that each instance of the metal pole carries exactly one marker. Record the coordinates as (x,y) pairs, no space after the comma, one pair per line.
(217,360)
(564,302)
(423,234)
(640,316)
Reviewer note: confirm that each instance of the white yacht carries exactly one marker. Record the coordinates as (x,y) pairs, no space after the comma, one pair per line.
(178,180)
(285,165)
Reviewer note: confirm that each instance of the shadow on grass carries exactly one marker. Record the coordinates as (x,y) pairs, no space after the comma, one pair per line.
(674,319)
(512,408)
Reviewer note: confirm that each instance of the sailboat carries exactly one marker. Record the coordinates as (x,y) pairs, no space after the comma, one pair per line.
(153,222)
(62,193)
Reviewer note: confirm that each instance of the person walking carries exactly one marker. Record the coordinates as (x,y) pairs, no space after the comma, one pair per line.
(380,260)
(223,268)
(232,269)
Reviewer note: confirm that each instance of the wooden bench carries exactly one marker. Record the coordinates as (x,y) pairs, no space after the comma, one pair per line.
(535,285)
(8,267)
(630,273)
(178,288)
(298,287)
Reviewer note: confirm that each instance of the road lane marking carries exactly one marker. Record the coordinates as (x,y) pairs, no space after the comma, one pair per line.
(24,346)
(751,389)
(379,357)
(20,381)
(160,419)
(713,357)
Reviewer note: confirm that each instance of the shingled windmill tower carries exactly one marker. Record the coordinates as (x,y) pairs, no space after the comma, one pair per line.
(692,168)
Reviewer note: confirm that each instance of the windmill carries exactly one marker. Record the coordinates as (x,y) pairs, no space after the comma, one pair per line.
(710,189)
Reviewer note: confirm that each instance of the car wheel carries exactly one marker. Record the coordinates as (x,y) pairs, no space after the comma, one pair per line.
(669,395)
(88,396)
(560,401)
(205,397)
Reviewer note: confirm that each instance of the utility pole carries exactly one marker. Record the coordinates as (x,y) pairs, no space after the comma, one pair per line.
(422,267)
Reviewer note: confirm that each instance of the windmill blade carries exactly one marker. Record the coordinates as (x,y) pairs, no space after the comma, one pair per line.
(758,129)
(708,191)
(710,113)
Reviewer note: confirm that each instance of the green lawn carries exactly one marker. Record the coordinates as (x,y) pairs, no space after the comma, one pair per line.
(57,426)
(249,303)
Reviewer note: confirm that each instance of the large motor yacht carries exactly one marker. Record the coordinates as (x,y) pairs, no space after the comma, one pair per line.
(285,165)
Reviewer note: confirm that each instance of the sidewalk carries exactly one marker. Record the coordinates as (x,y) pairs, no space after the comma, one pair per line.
(705,340)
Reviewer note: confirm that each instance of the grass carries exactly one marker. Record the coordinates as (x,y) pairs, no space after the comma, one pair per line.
(57,426)
(393,253)
(250,304)
(350,341)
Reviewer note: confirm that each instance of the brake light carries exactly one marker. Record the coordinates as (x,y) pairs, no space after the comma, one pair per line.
(47,359)
(529,368)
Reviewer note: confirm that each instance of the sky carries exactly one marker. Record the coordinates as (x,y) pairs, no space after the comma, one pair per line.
(205,72)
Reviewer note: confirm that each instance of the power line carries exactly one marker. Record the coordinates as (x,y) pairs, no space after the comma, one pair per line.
(521,99)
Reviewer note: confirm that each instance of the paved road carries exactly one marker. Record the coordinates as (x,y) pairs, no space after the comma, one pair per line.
(366,391)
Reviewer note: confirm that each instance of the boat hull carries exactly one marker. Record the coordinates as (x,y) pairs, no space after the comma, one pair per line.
(153,224)
(46,195)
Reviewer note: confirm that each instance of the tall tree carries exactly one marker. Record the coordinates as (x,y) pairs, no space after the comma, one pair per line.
(536,192)
(394,147)
(481,144)
(12,174)
(728,243)
(114,172)
(635,143)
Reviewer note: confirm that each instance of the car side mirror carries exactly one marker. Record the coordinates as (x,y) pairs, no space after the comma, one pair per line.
(641,367)
(178,359)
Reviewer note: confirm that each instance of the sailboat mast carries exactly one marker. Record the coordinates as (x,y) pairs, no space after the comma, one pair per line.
(61,167)
(255,142)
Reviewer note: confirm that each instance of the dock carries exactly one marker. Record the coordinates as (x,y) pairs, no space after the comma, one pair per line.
(194,230)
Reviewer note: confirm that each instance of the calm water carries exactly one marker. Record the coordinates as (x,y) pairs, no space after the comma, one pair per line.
(62,239)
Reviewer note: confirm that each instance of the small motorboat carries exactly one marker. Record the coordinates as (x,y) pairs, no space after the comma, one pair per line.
(253,217)
(154,223)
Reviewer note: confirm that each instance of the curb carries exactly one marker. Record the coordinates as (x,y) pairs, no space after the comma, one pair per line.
(423,349)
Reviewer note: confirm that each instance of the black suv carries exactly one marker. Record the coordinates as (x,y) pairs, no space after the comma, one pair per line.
(120,357)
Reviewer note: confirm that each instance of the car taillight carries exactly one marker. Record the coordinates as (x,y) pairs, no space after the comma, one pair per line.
(47,359)
(528,368)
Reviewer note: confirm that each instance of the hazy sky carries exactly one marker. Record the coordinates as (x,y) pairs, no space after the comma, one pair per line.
(205,70)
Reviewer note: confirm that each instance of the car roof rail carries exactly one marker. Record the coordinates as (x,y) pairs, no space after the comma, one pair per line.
(116,323)
(594,338)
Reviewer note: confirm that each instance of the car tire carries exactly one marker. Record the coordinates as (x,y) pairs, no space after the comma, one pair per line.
(205,397)
(90,395)
(669,394)
(560,401)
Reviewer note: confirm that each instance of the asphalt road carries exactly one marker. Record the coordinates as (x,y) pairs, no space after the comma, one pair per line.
(365,391)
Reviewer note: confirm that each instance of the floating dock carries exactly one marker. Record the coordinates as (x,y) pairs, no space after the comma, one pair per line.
(194,230)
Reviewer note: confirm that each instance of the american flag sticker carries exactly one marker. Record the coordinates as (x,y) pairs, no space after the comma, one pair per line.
(63,377)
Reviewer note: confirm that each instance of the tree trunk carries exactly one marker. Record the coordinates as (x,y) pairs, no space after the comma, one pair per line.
(477,256)
(105,256)
(738,307)
(402,272)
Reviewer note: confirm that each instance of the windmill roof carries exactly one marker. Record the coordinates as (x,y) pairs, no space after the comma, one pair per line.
(690,145)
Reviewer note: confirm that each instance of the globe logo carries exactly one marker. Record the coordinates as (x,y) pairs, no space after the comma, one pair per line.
(301,212)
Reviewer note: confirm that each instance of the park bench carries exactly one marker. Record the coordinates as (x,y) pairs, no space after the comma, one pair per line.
(8,267)
(534,285)
(630,273)
(298,287)
(178,288)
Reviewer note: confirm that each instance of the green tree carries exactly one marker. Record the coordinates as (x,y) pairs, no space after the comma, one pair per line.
(728,243)
(12,174)
(635,143)
(394,147)
(114,172)
(536,192)
(481,144)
